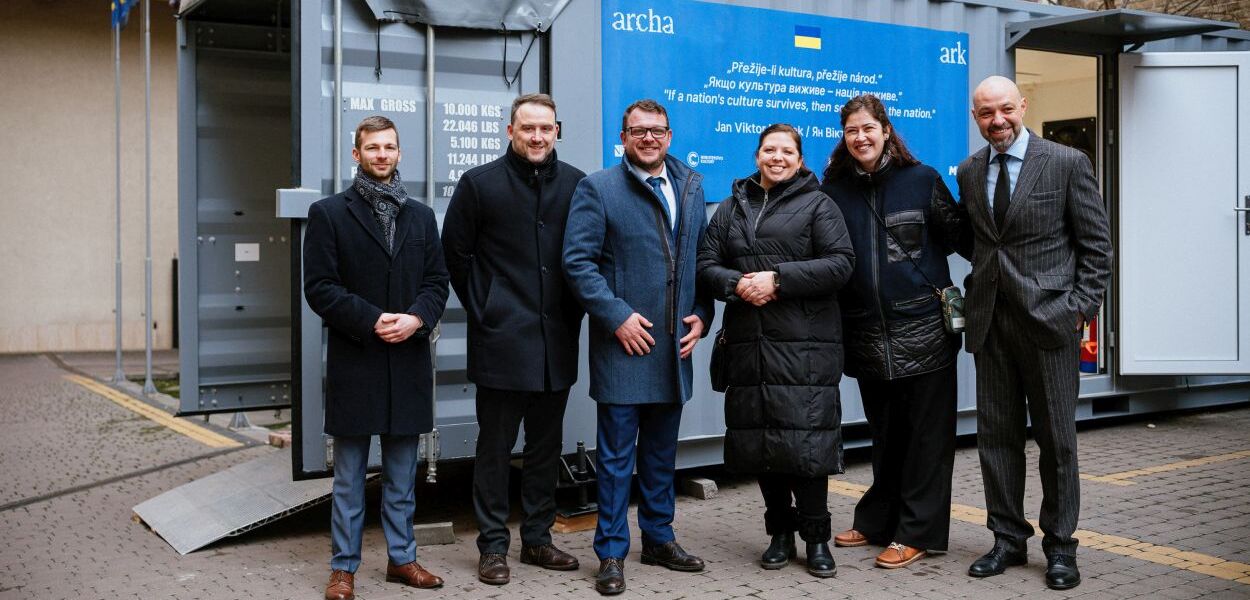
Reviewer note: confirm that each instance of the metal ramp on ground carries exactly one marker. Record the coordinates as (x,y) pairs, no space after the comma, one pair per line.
(231,502)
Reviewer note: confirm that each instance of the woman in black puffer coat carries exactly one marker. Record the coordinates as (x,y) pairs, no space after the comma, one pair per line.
(903,224)
(777,252)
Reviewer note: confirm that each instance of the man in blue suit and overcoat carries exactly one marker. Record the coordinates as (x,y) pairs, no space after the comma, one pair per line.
(629,254)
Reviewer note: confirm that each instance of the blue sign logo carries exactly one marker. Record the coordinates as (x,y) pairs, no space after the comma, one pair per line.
(642,22)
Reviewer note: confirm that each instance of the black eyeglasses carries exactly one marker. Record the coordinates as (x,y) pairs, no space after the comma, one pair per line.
(641,132)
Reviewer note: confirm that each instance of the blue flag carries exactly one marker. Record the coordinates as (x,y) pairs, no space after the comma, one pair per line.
(121,11)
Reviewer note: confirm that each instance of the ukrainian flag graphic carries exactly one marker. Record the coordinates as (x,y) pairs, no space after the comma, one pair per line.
(806,37)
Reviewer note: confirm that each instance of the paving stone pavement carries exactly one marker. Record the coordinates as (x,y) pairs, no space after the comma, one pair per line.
(55,436)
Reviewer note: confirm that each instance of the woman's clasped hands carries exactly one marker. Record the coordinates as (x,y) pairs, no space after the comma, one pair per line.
(758,288)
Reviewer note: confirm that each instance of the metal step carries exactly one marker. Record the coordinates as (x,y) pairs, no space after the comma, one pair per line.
(231,502)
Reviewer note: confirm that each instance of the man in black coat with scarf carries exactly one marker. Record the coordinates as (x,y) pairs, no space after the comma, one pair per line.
(503,235)
(373,270)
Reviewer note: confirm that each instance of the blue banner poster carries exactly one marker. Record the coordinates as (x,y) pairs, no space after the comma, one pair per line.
(726,72)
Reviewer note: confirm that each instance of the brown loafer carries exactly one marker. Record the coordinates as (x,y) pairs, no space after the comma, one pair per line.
(414,575)
(548,556)
(493,569)
(850,539)
(897,555)
(342,586)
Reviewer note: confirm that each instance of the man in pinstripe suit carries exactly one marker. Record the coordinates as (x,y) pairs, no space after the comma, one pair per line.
(1040,266)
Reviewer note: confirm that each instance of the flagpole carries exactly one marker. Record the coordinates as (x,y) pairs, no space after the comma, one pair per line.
(119,374)
(148,388)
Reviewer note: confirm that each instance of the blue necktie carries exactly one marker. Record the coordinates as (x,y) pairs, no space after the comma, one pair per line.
(659,193)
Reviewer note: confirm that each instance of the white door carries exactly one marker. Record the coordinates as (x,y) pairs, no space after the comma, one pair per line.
(1184,246)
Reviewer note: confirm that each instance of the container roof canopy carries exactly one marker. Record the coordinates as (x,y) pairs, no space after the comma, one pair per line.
(240,12)
(1105,31)
(495,15)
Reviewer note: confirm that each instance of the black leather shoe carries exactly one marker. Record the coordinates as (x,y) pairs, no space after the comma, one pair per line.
(820,561)
(1061,572)
(779,552)
(996,561)
(611,578)
(493,569)
(548,556)
(671,556)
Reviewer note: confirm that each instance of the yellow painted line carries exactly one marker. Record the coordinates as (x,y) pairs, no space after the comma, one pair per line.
(1107,479)
(1124,477)
(1163,555)
(203,435)
(846,488)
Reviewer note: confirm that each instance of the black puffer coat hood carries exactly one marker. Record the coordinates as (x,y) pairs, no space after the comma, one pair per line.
(784,362)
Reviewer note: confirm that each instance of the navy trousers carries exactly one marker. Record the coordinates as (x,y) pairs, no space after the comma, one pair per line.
(653,428)
(347,516)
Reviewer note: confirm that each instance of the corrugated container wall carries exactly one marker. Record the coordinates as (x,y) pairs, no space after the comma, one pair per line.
(576,84)
(385,70)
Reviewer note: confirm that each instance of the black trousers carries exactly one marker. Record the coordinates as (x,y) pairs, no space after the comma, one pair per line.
(499,415)
(1019,383)
(792,502)
(912,420)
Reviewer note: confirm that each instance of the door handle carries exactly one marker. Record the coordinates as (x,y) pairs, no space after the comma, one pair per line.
(1245,209)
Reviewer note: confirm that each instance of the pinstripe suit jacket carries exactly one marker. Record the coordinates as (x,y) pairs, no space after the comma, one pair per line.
(1052,257)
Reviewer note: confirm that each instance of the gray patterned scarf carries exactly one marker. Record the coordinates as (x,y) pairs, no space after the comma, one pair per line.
(385,198)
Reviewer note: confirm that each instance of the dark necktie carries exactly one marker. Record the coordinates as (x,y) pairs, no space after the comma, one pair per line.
(1002,191)
(659,193)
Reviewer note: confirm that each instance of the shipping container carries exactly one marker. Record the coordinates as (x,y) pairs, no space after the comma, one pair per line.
(269,94)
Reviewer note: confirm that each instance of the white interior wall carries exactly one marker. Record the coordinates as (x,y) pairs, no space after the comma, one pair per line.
(1057,86)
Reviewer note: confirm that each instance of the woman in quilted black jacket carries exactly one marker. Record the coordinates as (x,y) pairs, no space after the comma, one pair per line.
(903,224)
(777,252)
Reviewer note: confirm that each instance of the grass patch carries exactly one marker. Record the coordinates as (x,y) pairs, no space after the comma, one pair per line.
(169,386)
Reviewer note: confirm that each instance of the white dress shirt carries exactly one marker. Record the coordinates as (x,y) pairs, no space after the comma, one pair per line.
(1014,164)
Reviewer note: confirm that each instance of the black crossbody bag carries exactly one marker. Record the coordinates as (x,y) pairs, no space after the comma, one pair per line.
(718,368)
(951,297)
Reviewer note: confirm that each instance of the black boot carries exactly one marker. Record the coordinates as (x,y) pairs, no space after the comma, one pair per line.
(779,552)
(816,531)
(820,561)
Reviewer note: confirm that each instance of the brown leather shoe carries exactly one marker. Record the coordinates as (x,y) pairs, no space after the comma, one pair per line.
(493,569)
(548,556)
(412,574)
(897,555)
(850,539)
(342,586)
